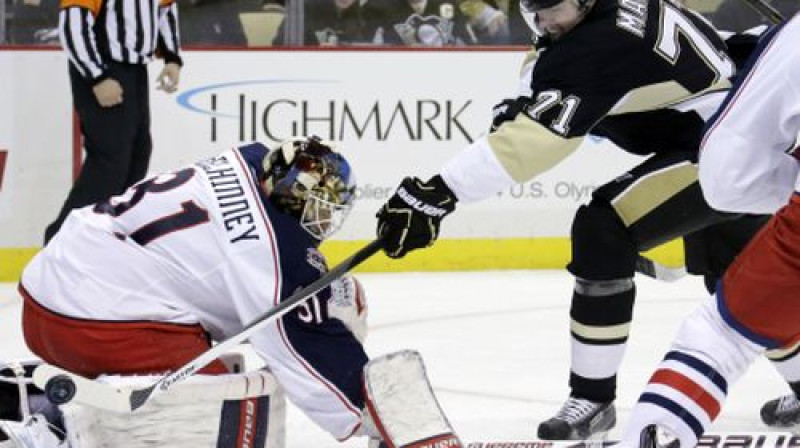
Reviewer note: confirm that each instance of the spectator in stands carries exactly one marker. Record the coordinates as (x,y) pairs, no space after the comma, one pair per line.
(487,20)
(497,22)
(738,16)
(33,22)
(327,22)
(423,22)
(214,22)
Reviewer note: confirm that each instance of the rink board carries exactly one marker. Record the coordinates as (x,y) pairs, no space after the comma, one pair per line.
(396,113)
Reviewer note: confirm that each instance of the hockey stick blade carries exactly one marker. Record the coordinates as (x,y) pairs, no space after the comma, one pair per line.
(62,387)
(125,399)
(658,271)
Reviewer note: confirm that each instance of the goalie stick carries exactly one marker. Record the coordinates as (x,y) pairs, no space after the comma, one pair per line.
(62,387)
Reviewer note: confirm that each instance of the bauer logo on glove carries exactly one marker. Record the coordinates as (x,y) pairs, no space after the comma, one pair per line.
(410,219)
(420,206)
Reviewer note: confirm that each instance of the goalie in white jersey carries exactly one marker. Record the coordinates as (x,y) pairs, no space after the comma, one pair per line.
(142,283)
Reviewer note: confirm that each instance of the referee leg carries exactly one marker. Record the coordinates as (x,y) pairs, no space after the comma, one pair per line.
(109,138)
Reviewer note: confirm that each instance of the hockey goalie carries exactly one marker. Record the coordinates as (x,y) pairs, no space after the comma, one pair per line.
(147,281)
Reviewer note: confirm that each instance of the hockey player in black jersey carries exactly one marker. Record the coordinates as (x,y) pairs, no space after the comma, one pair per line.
(644,74)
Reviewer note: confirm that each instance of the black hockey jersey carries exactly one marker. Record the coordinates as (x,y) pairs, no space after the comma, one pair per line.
(622,72)
(645,74)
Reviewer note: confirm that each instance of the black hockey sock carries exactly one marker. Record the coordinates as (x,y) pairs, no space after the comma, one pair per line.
(598,390)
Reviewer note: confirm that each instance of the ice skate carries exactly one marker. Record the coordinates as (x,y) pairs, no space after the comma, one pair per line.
(781,412)
(579,419)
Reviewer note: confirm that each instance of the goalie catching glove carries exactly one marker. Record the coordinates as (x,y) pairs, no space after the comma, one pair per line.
(410,219)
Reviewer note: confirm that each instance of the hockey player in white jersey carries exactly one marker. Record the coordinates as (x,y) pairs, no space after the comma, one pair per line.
(748,164)
(145,282)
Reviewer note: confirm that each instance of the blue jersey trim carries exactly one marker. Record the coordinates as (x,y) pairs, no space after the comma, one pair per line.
(701,367)
(729,319)
(676,409)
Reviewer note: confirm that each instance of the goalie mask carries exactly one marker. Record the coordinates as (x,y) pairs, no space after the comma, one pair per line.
(308,180)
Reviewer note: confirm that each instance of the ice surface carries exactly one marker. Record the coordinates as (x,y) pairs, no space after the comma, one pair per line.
(496,348)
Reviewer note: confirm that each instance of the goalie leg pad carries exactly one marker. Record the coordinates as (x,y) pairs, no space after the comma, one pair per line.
(401,403)
(224,411)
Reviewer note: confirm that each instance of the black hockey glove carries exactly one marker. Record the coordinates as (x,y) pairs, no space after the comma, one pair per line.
(508,110)
(410,219)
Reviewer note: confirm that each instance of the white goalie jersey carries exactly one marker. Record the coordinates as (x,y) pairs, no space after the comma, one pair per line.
(185,267)
(203,245)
